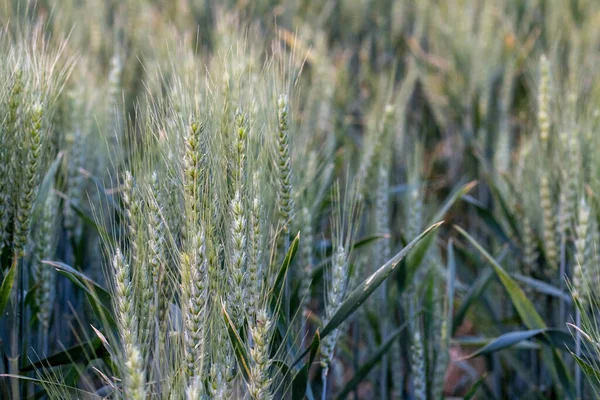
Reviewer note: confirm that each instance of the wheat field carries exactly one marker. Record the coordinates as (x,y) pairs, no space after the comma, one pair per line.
(296,199)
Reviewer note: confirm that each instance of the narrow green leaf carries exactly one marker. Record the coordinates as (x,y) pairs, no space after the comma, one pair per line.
(367,240)
(478,341)
(414,259)
(367,367)
(362,292)
(84,352)
(317,270)
(450,287)
(525,309)
(6,288)
(510,217)
(98,297)
(241,354)
(99,290)
(475,291)
(592,373)
(473,391)
(75,392)
(281,275)
(488,218)
(543,287)
(368,286)
(300,381)
(452,198)
(505,341)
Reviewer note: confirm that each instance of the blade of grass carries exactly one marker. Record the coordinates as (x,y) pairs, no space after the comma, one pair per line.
(526,311)
(300,381)
(368,286)
(241,354)
(6,288)
(367,367)
(363,290)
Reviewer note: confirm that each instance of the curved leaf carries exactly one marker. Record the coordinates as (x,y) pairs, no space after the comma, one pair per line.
(475,388)
(99,290)
(543,287)
(241,354)
(75,392)
(367,367)
(300,381)
(524,307)
(317,270)
(452,198)
(415,258)
(589,370)
(79,353)
(98,297)
(368,286)
(527,313)
(6,288)
(281,275)
(488,218)
(450,288)
(475,290)
(505,341)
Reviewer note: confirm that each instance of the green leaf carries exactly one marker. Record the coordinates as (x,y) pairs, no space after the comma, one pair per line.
(475,291)
(452,198)
(450,287)
(281,275)
(98,297)
(317,271)
(6,288)
(592,373)
(525,309)
(512,338)
(90,221)
(241,354)
(488,218)
(543,287)
(362,292)
(73,391)
(84,352)
(368,286)
(473,391)
(479,341)
(414,259)
(98,289)
(300,381)
(367,367)
(46,185)
(367,240)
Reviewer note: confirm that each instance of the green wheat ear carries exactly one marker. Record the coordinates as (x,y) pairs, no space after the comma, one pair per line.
(549,223)
(544,100)
(582,262)
(284,194)
(127,323)
(31,176)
